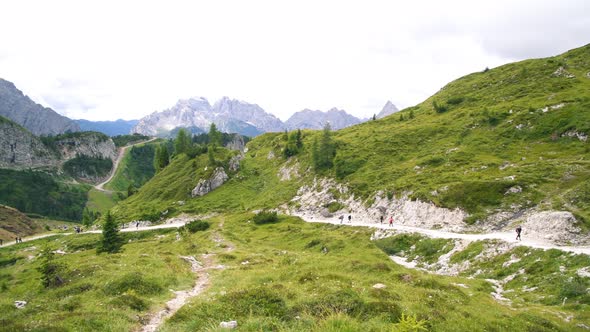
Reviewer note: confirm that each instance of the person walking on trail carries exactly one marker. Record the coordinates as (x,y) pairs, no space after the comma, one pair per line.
(349,218)
(391,221)
(518,231)
(1,242)
(381,219)
(341,218)
(137,225)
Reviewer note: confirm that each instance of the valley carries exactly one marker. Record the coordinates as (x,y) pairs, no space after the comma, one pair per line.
(217,228)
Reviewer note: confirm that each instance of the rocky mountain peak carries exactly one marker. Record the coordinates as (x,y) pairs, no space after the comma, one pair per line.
(310,119)
(388,109)
(40,120)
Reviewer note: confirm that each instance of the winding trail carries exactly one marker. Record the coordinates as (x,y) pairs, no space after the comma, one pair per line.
(202,282)
(504,236)
(122,150)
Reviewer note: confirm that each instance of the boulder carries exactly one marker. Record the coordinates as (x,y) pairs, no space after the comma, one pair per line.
(207,185)
(232,324)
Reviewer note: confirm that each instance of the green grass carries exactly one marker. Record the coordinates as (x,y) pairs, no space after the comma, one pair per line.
(101,201)
(314,277)
(101,292)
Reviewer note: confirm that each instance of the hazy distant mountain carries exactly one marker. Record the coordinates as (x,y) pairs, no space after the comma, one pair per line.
(388,109)
(40,120)
(110,128)
(308,119)
(229,115)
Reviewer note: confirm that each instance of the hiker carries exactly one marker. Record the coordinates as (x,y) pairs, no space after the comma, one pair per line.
(16,239)
(1,242)
(341,218)
(20,239)
(349,218)
(382,219)
(390,221)
(518,231)
(137,225)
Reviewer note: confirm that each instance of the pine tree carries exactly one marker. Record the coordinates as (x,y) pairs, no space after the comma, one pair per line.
(161,157)
(401,117)
(411,114)
(183,142)
(374,117)
(214,136)
(298,140)
(111,241)
(50,269)
(326,150)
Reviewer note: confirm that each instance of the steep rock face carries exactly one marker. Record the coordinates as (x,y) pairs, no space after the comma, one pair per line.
(388,109)
(237,143)
(206,185)
(39,120)
(90,144)
(308,119)
(20,149)
(229,115)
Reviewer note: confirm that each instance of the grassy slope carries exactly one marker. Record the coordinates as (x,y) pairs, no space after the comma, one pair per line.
(467,157)
(290,283)
(460,152)
(101,292)
(14,223)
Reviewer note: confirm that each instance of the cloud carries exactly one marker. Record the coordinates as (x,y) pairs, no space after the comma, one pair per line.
(127,59)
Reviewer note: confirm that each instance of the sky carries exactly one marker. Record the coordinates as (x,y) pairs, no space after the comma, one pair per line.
(105,60)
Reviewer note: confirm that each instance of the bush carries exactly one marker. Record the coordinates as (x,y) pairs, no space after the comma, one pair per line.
(266,217)
(439,108)
(196,226)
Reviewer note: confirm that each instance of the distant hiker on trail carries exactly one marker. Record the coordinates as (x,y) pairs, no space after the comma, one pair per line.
(381,219)
(341,218)
(1,242)
(518,231)
(349,218)
(137,225)
(391,221)
(16,240)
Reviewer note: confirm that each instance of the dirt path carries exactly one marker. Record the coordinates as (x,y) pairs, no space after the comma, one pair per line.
(100,186)
(507,237)
(202,282)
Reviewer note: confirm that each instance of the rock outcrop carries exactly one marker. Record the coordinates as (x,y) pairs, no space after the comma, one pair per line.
(237,143)
(308,119)
(19,149)
(39,120)
(204,186)
(91,144)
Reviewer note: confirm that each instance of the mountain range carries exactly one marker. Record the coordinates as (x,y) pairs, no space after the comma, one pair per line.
(110,128)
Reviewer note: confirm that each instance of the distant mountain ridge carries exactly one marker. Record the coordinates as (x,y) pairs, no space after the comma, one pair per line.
(310,119)
(388,109)
(229,115)
(110,128)
(39,120)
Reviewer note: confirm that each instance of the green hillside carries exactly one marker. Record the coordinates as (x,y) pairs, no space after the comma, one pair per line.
(514,126)
(135,169)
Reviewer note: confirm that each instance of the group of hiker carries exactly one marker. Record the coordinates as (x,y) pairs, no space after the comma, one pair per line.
(381,218)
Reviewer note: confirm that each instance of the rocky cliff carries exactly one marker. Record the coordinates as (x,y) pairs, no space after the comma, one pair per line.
(91,144)
(229,115)
(39,120)
(308,119)
(20,149)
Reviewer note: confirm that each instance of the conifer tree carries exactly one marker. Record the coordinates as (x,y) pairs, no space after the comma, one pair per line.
(411,114)
(214,136)
(111,240)
(326,150)
(183,142)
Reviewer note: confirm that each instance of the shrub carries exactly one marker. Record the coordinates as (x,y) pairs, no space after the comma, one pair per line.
(196,226)
(265,217)
(334,206)
(455,100)
(439,108)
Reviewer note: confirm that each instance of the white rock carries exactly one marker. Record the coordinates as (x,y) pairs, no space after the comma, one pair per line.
(232,324)
(20,304)
(379,286)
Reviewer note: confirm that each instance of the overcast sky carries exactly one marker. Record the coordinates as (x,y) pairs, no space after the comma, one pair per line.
(104,60)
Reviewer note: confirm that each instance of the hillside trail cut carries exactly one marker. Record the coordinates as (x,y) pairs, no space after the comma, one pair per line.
(101,185)
(504,236)
(202,282)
